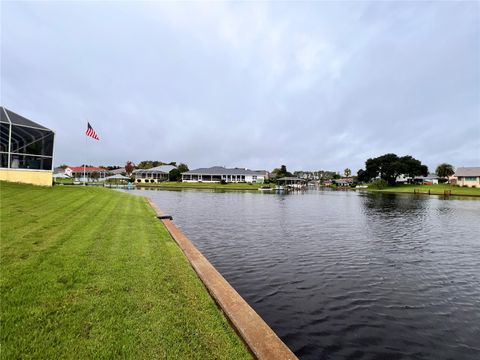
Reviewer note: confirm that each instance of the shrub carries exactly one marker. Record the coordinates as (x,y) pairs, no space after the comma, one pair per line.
(223,182)
(378,184)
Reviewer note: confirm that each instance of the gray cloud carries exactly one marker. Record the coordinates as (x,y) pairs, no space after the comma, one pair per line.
(311,85)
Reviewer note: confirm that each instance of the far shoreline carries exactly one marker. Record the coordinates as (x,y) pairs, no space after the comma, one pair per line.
(438,190)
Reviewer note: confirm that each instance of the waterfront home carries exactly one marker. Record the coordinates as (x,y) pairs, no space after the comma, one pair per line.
(87,173)
(468,176)
(291,181)
(59,170)
(429,179)
(26,150)
(218,174)
(343,182)
(153,175)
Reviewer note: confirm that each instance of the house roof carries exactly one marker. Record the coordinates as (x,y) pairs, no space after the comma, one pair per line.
(87,168)
(118,171)
(159,169)
(220,170)
(9,117)
(290,178)
(468,171)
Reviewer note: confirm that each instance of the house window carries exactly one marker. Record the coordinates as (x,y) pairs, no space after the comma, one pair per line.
(470,178)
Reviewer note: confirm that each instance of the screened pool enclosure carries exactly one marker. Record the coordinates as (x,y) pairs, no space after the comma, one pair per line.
(24,143)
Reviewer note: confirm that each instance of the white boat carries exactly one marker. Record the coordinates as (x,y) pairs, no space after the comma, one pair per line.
(265,188)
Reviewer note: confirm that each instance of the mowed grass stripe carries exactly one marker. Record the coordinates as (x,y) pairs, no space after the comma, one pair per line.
(48,211)
(46,231)
(103,280)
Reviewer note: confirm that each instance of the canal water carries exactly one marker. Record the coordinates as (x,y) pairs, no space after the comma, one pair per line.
(346,275)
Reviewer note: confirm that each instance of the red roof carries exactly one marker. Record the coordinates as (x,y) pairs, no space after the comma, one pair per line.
(87,168)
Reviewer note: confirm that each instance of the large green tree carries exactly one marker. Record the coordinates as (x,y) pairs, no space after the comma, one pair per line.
(389,166)
(412,167)
(281,172)
(182,167)
(175,175)
(444,170)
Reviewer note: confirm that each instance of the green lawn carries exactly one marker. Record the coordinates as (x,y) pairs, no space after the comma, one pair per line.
(434,189)
(184,185)
(91,273)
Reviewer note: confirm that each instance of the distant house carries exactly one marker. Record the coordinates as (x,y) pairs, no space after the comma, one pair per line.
(429,179)
(59,170)
(291,181)
(80,173)
(266,174)
(26,150)
(217,174)
(402,179)
(468,176)
(343,181)
(153,175)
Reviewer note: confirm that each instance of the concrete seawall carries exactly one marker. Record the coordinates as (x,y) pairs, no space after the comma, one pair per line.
(258,336)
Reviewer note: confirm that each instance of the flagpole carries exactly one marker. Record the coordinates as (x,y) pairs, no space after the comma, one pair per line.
(84,164)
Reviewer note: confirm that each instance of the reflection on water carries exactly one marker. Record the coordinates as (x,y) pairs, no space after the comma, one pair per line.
(344,275)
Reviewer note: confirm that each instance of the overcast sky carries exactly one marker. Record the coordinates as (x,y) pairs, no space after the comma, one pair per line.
(312,85)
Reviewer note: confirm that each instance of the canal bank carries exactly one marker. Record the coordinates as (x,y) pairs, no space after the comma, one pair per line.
(259,337)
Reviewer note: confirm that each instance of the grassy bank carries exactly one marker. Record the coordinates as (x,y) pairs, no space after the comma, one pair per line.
(184,185)
(434,189)
(90,273)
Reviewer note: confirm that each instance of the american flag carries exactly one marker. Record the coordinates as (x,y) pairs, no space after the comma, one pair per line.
(90,132)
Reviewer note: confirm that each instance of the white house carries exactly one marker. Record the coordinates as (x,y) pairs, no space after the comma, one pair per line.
(217,174)
(80,173)
(153,175)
